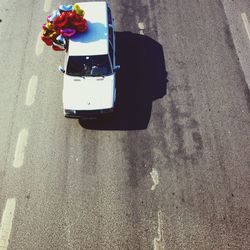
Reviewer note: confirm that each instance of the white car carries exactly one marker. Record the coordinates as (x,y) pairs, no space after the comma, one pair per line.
(89,87)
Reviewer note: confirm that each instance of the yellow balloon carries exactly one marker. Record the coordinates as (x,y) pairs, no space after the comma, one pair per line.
(78,10)
(49,26)
(47,32)
(53,35)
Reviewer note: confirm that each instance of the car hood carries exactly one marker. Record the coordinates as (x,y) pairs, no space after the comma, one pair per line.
(89,93)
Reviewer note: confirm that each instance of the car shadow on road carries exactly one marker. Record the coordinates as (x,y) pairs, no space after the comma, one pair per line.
(141,79)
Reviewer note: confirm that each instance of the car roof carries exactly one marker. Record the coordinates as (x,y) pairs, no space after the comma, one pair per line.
(95,40)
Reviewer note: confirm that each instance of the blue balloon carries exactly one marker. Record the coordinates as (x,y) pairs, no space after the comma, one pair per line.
(55,14)
(61,40)
(63,7)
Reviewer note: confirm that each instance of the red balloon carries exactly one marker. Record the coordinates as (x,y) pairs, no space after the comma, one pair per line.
(75,19)
(61,21)
(81,29)
(82,26)
(71,14)
(47,40)
(56,48)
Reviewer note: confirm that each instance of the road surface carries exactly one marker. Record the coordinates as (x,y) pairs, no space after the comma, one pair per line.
(169,170)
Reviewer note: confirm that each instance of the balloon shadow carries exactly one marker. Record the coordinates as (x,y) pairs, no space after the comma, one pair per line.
(141,79)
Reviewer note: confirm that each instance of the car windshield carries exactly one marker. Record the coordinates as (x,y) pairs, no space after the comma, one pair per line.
(89,66)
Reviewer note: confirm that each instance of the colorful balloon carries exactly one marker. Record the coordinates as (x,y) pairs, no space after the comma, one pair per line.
(78,10)
(82,26)
(57,48)
(75,19)
(49,26)
(60,40)
(68,32)
(54,15)
(65,8)
(47,40)
(71,15)
(61,21)
(63,24)
(53,35)
(47,32)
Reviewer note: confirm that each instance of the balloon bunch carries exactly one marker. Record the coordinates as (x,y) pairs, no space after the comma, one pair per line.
(63,24)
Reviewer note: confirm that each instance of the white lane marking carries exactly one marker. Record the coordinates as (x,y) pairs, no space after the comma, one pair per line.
(141,28)
(155,178)
(39,45)
(6,223)
(31,91)
(20,148)
(159,242)
(246,24)
(47,5)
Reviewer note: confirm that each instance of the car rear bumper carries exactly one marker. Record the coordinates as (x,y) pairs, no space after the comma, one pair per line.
(86,114)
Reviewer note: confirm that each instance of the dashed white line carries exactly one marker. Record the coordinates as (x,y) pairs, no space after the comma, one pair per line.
(31,91)
(6,223)
(39,45)
(159,242)
(47,5)
(246,24)
(155,178)
(20,148)
(141,28)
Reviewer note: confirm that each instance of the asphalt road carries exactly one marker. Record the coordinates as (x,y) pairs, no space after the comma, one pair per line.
(169,170)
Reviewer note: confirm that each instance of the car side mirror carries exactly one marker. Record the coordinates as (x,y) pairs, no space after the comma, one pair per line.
(116,68)
(61,69)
